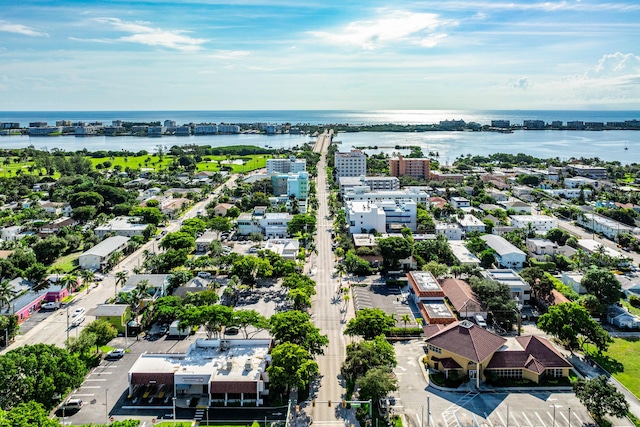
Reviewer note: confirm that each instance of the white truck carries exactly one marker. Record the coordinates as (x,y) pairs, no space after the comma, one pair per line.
(175,331)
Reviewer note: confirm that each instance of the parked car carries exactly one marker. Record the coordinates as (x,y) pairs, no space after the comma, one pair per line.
(72,405)
(163,329)
(115,354)
(51,305)
(232,330)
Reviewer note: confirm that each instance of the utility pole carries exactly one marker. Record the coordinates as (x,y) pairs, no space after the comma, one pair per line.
(67,322)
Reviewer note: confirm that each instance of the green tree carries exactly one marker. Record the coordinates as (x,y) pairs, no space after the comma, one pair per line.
(604,285)
(364,355)
(27,414)
(149,215)
(498,299)
(377,383)
(178,240)
(47,250)
(601,398)
(167,309)
(245,318)
(369,323)
(291,367)
(435,268)
(302,223)
(299,299)
(220,224)
(121,279)
(84,213)
(6,292)
(540,283)
(394,249)
(295,327)
(82,344)
(212,317)
(38,373)
(103,331)
(571,323)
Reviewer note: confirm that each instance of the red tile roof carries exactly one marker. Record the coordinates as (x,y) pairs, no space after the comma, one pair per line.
(460,294)
(467,340)
(537,354)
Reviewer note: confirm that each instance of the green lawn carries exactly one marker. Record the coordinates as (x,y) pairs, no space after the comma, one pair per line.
(68,263)
(171,424)
(623,362)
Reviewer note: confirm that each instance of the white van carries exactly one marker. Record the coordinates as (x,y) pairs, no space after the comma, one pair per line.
(480,320)
(77,320)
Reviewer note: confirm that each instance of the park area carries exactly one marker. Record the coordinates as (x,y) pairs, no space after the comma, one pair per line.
(625,367)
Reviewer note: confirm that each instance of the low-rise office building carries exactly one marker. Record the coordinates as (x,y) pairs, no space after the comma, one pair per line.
(519,288)
(126,226)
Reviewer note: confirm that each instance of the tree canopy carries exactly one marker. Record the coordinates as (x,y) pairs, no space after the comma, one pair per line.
(291,367)
(601,398)
(295,327)
(604,285)
(393,249)
(369,323)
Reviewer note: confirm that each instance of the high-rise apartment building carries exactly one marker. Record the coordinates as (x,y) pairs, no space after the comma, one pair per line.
(353,163)
(418,168)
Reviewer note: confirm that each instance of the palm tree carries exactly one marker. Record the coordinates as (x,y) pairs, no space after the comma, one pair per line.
(88,277)
(57,270)
(5,293)
(405,318)
(115,258)
(121,279)
(341,269)
(419,321)
(69,281)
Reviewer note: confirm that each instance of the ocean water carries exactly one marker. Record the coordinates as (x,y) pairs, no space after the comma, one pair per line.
(606,145)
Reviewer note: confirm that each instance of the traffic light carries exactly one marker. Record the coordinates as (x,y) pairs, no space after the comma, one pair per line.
(344,403)
(313,403)
(329,403)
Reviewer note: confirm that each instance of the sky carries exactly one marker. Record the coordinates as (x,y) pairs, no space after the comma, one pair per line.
(319,55)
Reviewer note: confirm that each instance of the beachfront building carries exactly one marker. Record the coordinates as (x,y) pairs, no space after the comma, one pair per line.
(353,163)
(290,165)
(414,167)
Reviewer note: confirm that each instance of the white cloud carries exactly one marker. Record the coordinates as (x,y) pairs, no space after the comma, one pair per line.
(8,27)
(142,33)
(546,6)
(229,54)
(616,64)
(521,83)
(390,27)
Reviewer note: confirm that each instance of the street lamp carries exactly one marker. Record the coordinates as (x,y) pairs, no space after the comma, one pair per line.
(174,411)
(569,416)
(519,308)
(106,405)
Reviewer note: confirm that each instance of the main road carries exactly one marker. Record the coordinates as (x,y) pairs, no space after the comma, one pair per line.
(328,312)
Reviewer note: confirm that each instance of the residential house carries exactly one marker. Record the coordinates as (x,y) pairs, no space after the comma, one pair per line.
(11,233)
(57,224)
(158,284)
(517,206)
(459,202)
(574,280)
(506,254)
(461,297)
(538,223)
(452,231)
(462,254)
(541,248)
(126,226)
(286,248)
(97,257)
(621,318)
(117,315)
(221,209)
(470,223)
(603,225)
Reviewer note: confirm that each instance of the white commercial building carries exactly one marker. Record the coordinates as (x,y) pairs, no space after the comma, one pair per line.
(363,194)
(579,181)
(290,165)
(507,255)
(591,246)
(272,224)
(519,288)
(374,183)
(569,193)
(539,223)
(353,163)
(381,216)
(224,371)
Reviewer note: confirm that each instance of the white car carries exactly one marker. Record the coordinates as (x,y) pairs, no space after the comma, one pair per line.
(115,354)
(51,305)
(78,311)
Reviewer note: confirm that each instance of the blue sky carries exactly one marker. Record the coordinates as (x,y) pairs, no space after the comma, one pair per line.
(319,54)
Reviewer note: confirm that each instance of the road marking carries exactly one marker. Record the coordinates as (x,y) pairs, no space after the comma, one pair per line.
(580,423)
(501,420)
(486,417)
(101,373)
(90,386)
(95,379)
(84,394)
(540,418)
(527,418)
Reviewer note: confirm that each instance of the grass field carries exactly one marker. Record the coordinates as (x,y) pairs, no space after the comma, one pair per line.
(623,362)
(68,263)
(152,161)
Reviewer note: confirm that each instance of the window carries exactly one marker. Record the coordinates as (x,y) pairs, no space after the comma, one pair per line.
(435,349)
(554,373)
(509,373)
